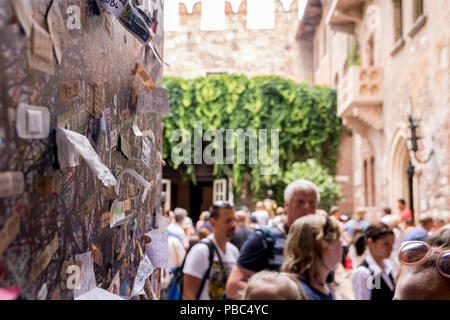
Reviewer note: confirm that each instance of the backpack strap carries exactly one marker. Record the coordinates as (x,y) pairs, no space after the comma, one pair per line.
(211,248)
(366,265)
(268,239)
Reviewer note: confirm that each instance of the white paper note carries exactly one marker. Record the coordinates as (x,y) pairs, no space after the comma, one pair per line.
(158,249)
(87,275)
(144,271)
(142,181)
(71,144)
(98,294)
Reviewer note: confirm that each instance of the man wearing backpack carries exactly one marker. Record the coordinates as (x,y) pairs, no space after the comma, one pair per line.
(264,247)
(208,264)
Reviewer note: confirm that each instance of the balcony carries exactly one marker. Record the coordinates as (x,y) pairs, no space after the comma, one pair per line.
(360,96)
(343,14)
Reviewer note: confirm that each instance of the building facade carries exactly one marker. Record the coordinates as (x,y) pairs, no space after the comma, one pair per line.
(389,60)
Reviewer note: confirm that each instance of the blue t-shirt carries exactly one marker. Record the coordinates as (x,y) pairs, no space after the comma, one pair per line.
(351,224)
(416,234)
(256,256)
(314,294)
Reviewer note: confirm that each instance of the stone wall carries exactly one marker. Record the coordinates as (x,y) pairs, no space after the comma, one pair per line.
(191,52)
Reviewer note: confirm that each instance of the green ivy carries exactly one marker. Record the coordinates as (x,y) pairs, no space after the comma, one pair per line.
(304,114)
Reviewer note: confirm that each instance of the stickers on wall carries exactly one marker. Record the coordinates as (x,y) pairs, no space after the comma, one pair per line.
(114,7)
(9,231)
(40,50)
(115,284)
(96,99)
(44,259)
(24,11)
(125,147)
(69,90)
(11,183)
(146,151)
(47,185)
(117,213)
(58,30)
(153,101)
(97,256)
(32,122)
(145,78)
(108,25)
(107,219)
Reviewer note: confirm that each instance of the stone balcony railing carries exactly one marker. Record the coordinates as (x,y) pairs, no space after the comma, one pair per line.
(360,95)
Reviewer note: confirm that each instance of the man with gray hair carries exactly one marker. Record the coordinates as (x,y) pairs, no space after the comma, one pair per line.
(264,248)
(176,227)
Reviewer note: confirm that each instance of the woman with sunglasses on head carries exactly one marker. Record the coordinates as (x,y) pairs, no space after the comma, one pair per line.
(374,278)
(425,268)
(313,248)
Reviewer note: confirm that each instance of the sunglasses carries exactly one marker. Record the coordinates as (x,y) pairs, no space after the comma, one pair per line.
(417,252)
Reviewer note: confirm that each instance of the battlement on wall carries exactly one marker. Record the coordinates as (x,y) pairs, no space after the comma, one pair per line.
(194,7)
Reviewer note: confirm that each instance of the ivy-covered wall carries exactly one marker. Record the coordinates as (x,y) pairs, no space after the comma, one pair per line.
(304,114)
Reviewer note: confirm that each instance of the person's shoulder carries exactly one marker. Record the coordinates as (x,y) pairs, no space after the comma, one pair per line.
(360,272)
(200,248)
(233,248)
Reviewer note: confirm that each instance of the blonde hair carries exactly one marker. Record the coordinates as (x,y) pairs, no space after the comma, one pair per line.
(279,285)
(303,249)
(359,214)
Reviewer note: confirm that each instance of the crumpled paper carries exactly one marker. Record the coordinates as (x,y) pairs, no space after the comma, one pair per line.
(71,145)
(144,271)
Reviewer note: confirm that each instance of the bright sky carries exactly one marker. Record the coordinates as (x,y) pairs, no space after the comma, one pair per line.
(260,13)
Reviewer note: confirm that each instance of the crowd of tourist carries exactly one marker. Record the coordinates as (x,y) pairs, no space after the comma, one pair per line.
(292,252)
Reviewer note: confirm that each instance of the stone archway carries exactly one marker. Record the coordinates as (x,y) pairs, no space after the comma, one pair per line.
(398,185)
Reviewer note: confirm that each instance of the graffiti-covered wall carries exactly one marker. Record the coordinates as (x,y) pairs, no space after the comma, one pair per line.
(80,164)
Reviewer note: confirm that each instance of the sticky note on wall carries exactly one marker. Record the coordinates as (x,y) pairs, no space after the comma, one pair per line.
(32,122)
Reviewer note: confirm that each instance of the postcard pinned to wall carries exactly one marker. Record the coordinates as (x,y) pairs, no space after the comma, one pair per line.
(71,145)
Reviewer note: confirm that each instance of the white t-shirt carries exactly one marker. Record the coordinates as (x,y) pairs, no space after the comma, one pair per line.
(197,263)
(176,252)
(262,217)
(178,230)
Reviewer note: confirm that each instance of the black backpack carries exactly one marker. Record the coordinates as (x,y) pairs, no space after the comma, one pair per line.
(176,285)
